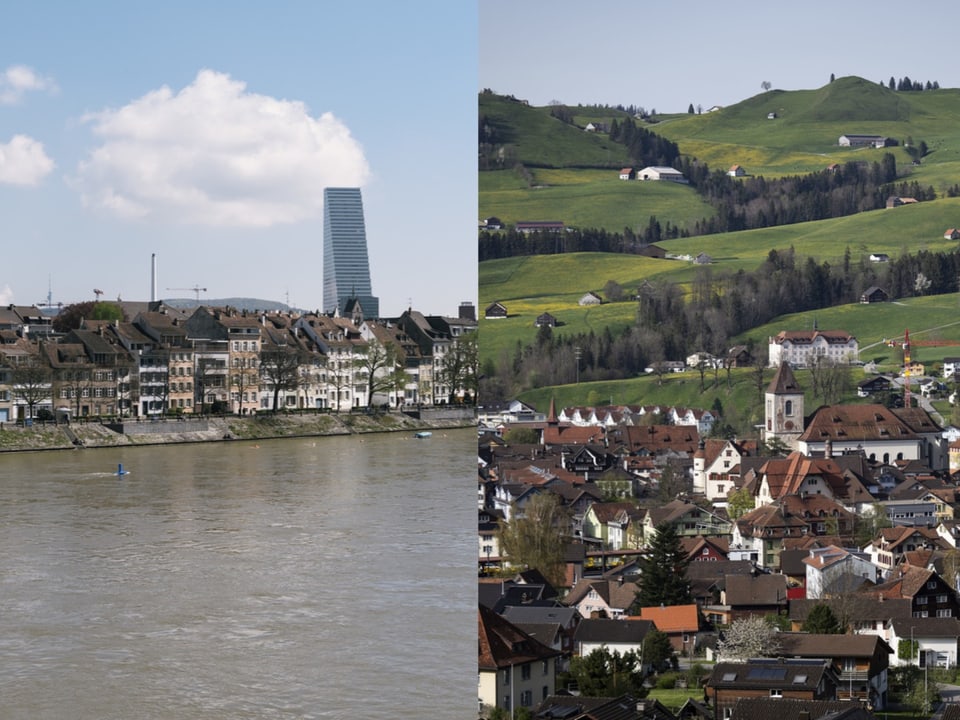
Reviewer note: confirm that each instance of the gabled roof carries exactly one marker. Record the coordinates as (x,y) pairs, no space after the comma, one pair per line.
(764,708)
(502,644)
(869,608)
(579,707)
(907,581)
(785,476)
(821,645)
(762,589)
(673,618)
(766,674)
(856,423)
(928,627)
(615,594)
(603,630)
(807,337)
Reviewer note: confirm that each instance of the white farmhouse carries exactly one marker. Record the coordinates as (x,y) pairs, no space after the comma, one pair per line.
(658,172)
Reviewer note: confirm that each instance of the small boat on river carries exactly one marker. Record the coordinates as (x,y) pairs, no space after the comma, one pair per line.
(423,435)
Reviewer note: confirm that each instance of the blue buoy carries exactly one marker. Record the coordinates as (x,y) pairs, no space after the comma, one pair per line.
(120,470)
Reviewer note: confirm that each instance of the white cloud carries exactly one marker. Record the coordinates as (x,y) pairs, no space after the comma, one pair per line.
(215,154)
(23,161)
(17,80)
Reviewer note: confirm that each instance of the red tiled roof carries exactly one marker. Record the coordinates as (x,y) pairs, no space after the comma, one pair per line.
(673,618)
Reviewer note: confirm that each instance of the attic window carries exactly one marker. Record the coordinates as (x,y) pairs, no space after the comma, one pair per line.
(799,679)
(729,677)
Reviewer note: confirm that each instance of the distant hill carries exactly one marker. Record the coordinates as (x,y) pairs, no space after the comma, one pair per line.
(248,304)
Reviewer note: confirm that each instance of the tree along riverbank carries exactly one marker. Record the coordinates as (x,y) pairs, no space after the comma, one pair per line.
(16,438)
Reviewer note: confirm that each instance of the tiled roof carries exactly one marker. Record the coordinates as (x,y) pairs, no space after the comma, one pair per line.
(673,618)
(604,630)
(820,645)
(763,589)
(764,708)
(854,423)
(502,644)
(806,337)
(616,595)
(766,674)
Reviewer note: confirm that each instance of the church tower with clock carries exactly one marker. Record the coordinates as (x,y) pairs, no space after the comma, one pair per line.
(783,410)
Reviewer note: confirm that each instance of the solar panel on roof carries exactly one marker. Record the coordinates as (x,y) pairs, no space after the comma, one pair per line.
(766,673)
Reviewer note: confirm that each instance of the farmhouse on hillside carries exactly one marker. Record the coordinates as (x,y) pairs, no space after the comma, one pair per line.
(656,172)
(877,141)
(874,294)
(495,311)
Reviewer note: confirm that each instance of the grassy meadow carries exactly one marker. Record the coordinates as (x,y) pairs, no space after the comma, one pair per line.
(570,175)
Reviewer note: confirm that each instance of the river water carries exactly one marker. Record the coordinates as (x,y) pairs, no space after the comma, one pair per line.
(296,578)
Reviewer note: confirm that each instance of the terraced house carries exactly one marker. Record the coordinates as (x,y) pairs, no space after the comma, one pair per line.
(219,359)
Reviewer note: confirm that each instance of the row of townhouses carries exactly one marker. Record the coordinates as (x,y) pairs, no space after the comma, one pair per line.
(172,361)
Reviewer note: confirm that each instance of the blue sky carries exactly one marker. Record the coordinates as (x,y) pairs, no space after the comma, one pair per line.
(665,56)
(205,132)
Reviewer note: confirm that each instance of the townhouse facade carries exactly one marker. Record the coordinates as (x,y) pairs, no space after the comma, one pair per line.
(167,361)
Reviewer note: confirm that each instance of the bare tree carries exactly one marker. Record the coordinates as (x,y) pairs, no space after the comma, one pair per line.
(32,383)
(243,378)
(378,363)
(280,368)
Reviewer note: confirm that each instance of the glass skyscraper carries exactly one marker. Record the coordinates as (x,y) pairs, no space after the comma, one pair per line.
(346,267)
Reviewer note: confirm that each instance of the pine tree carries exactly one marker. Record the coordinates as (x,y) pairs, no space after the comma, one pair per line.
(664,571)
(822,620)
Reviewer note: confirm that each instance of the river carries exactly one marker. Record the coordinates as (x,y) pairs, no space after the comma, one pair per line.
(300,578)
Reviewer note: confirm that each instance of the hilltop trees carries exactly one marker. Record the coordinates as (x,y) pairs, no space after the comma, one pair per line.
(672,323)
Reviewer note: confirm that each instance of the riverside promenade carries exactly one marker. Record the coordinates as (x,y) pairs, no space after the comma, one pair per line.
(96,434)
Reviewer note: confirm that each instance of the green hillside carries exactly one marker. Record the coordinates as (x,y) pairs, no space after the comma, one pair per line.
(802,139)
(530,136)
(803,136)
(529,286)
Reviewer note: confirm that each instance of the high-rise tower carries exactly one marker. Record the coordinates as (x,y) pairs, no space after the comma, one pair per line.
(346,267)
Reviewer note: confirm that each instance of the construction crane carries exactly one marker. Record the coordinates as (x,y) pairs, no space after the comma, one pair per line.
(195,289)
(98,293)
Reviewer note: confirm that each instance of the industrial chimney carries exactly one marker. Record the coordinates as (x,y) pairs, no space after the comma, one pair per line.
(153,277)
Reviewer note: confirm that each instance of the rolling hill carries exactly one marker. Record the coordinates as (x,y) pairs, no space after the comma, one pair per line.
(801,139)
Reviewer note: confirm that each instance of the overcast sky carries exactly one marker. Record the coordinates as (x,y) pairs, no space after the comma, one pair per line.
(206,131)
(666,55)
